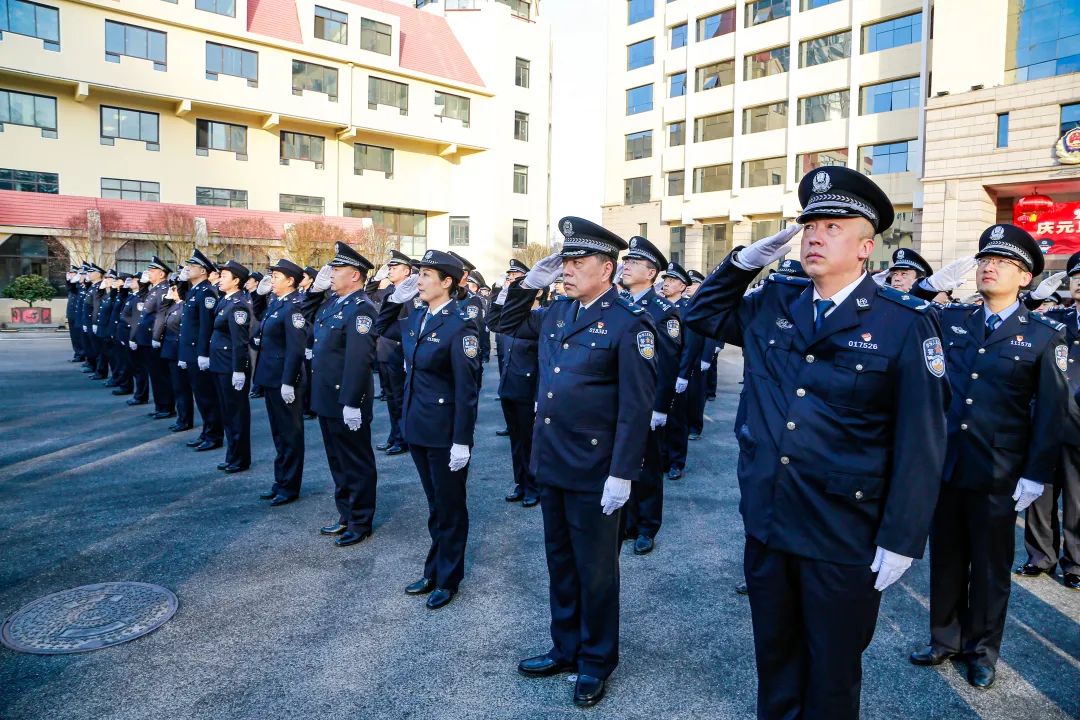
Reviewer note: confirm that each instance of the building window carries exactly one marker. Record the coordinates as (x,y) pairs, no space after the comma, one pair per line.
(375,36)
(317,78)
(521,179)
(819,108)
(676,133)
(220,7)
(1042,39)
(459,231)
(29,181)
(519,235)
(299,146)
(117,189)
(125,124)
(677,244)
(677,85)
(373,159)
(638,10)
(305,204)
(643,230)
(331,25)
(407,228)
(639,145)
(715,75)
(518,8)
(763,11)
(764,228)
(639,54)
(678,36)
(765,117)
(452,106)
(892,33)
(228,60)
(712,178)
(806,162)
(212,135)
(811,4)
(885,158)
(37,111)
(715,25)
(521,72)
(1070,117)
(895,95)
(221,197)
(637,190)
(825,49)
(714,127)
(676,183)
(1003,130)
(33,20)
(521,125)
(31,255)
(763,173)
(134,41)
(388,92)
(766,62)
(715,239)
(639,99)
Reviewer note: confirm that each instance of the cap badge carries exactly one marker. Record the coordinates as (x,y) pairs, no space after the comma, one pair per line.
(427,255)
(633,243)
(822,183)
(568,228)
(899,254)
(997,233)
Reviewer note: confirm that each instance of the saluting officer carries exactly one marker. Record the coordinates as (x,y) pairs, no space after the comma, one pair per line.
(677,432)
(907,268)
(101,327)
(87,313)
(840,445)
(130,316)
(442,352)
(170,352)
(230,364)
(1007,368)
(196,327)
(594,402)
(696,278)
(148,336)
(516,271)
(121,331)
(473,306)
(71,312)
(392,358)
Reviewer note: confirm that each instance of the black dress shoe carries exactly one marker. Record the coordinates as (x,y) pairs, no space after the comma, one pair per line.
(222,465)
(930,655)
(502,433)
(286,499)
(694,436)
(196,442)
(543,666)
(382,447)
(980,675)
(675,473)
(381,396)
(588,690)
(351,537)
(440,598)
(1072,581)
(207,445)
(741,589)
(109,383)
(530,502)
(643,545)
(397,450)
(163,414)
(310,416)
(268,495)
(421,587)
(236,468)
(1029,570)
(255,394)
(335,529)
(86,370)
(96,376)
(133,401)
(181,427)
(121,391)
(515,495)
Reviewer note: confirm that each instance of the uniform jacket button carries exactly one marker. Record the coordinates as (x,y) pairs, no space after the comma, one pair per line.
(551,395)
(859,367)
(974,376)
(441,401)
(556,370)
(969,401)
(337,387)
(566,346)
(790,425)
(785,460)
(809,358)
(800,392)
(858,494)
(547,421)
(982,351)
(593,441)
(963,426)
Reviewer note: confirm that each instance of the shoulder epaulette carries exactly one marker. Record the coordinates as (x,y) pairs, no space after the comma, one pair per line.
(782,279)
(1039,317)
(628,306)
(906,299)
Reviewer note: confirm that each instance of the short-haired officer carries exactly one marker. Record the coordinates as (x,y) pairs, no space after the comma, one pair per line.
(230,364)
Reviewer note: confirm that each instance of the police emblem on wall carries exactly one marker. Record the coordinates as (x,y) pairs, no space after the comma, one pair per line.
(240,316)
(646,344)
(471,345)
(363,324)
(1067,148)
(1061,357)
(673,328)
(208,302)
(297,321)
(821,182)
(472,311)
(934,356)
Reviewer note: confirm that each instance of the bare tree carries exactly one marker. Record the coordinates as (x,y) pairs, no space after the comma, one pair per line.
(249,240)
(93,236)
(172,232)
(374,243)
(534,252)
(312,242)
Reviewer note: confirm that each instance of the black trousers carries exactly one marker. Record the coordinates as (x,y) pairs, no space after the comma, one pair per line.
(102,366)
(352,465)
(206,399)
(287,429)
(520,418)
(582,547)
(76,336)
(710,378)
(695,403)
(91,348)
(678,431)
(812,621)
(123,374)
(448,515)
(972,540)
(160,383)
(394,387)
(181,387)
(307,383)
(644,512)
(1044,533)
(235,417)
(140,375)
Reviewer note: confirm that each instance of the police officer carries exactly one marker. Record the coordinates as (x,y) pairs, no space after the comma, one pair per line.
(1007,367)
(101,327)
(675,282)
(840,444)
(121,331)
(442,355)
(170,352)
(196,327)
(230,365)
(129,318)
(392,358)
(148,334)
(71,313)
(594,402)
(91,301)
(473,306)
(310,273)
(696,278)
(516,271)
(907,268)
(343,389)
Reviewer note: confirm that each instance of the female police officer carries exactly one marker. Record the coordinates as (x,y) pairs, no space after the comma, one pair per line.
(230,363)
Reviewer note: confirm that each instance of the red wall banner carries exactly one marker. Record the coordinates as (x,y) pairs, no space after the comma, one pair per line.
(1055,226)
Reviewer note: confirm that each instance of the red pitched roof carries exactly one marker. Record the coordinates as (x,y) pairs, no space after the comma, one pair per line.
(428,45)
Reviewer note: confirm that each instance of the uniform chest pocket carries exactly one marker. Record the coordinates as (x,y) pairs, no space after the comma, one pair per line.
(1016,365)
(858,379)
(590,353)
(778,355)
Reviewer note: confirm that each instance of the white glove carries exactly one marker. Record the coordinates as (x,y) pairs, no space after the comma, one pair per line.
(889,567)
(1027,492)
(951,276)
(238,380)
(618,273)
(880,277)
(352,417)
(1048,286)
(204,363)
(322,280)
(184,275)
(543,273)
(288,394)
(658,286)
(681,385)
(503,292)
(616,493)
(459,456)
(308,354)
(769,250)
(705,366)
(383,272)
(155,344)
(657,420)
(84,329)
(406,290)
(94,328)
(264,285)
(144,277)
(256,341)
(181,364)
(133,345)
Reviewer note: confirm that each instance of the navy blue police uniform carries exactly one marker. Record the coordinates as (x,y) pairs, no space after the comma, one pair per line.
(100,328)
(151,329)
(392,361)
(130,318)
(71,314)
(228,355)
(677,431)
(196,327)
(170,353)
(121,331)
(715,347)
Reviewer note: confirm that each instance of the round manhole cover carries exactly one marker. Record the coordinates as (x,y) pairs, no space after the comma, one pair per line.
(88,618)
